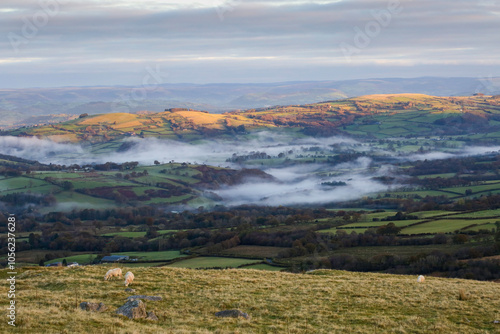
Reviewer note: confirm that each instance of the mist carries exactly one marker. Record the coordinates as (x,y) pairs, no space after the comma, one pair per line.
(464,152)
(306,185)
(41,150)
(302,181)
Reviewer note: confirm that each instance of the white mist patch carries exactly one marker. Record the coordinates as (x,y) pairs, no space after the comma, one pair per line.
(145,151)
(32,148)
(465,152)
(294,173)
(361,163)
(308,191)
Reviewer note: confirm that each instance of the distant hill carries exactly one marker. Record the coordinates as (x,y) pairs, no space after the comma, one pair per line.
(19,107)
(371,116)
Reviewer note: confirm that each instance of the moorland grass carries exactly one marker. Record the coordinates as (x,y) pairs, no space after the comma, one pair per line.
(318,302)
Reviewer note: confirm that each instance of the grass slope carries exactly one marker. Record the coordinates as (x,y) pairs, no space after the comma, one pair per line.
(317,302)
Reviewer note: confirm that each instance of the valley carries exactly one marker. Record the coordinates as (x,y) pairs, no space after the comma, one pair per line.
(375,183)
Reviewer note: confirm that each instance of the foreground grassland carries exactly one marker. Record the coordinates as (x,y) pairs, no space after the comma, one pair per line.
(316,302)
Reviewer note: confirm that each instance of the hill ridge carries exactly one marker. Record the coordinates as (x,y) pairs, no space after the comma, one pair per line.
(324,118)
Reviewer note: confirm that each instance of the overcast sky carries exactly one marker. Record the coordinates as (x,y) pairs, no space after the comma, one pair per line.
(118,42)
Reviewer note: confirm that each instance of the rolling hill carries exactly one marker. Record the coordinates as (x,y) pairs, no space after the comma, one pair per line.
(387,115)
(31,106)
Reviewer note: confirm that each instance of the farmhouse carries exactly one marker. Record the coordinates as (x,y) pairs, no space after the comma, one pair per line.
(114,258)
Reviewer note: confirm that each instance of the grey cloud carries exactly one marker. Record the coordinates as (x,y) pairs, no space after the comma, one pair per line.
(301,40)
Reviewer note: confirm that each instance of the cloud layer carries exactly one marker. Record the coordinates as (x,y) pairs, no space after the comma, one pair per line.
(112,42)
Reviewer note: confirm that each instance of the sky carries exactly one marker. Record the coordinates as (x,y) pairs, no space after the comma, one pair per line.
(54,43)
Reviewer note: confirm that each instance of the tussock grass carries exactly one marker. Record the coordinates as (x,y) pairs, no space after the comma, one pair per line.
(462,295)
(318,302)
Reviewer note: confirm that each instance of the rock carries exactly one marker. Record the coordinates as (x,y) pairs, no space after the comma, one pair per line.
(152,316)
(496,321)
(93,307)
(152,298)
(133,309)
(129,290)
(232,314)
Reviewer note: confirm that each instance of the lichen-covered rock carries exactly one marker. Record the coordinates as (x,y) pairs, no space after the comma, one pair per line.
(152,316)
(152,298)
(133,309)
(232,314)
(93,307)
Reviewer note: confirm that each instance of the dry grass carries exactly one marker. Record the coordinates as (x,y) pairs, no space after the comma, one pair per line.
(109,119)
(318,302)
(70,137)
(462,295)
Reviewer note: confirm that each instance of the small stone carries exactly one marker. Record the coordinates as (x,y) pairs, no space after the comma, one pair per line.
(496,321)
(129,290)
(93,307)
(133,309)
(152,316)
(232,314)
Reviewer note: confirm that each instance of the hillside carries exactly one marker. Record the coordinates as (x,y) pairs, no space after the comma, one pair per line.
(372,115)
(30,106)
(111,184)
(47,301)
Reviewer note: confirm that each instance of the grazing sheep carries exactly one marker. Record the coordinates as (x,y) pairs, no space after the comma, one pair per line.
(129,278)
(117,272)
(421,279)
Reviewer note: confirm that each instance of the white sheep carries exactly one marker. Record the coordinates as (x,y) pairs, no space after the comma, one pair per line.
(420,279)
(117,272)
(129,278)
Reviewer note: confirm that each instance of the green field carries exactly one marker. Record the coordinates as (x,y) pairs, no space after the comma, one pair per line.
(479,214)
(81,259)
(125,234)
(435,213)
(153,256)
(399,223)
(128,234)
(475,189)
(212,262)
(443,226)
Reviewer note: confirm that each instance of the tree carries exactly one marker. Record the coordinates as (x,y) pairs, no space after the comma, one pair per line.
(64,263)
(388,229)
(460,238)
(67,185)
(497,234)
(41,263)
